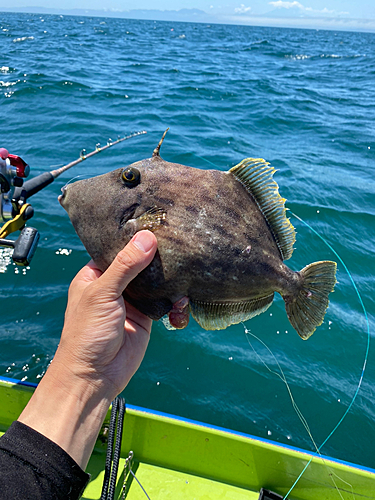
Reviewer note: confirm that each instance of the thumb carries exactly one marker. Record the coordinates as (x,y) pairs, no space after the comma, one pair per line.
(135,257)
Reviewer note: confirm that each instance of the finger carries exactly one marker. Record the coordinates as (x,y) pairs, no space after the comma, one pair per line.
(128,263)
(83,278)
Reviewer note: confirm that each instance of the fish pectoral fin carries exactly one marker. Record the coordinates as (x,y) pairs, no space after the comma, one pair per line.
(220,315)
(151,220)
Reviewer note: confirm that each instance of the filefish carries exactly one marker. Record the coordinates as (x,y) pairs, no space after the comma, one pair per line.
(222,237)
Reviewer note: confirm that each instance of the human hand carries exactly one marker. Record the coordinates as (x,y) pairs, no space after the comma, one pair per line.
(104,339)
(102,345)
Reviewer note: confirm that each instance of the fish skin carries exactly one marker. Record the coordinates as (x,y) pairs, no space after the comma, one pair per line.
(214,244)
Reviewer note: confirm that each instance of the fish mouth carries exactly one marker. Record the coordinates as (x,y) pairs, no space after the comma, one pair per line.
(61,197)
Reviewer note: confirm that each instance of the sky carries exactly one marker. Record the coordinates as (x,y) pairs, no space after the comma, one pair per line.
(345,13)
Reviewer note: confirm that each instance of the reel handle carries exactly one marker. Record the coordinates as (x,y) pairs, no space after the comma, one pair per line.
(24,246)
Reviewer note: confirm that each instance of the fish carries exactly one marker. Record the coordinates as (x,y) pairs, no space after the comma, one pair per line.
(223,237)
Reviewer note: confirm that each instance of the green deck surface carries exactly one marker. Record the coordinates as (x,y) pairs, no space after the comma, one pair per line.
(163,484)
(176,459)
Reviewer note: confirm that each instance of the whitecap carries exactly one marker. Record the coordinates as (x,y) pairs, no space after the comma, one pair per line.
(298,57)
(8,84)
(334,56)
(4,69)
(22,39)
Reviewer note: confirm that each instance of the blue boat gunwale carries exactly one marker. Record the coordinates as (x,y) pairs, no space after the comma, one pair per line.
(204,425)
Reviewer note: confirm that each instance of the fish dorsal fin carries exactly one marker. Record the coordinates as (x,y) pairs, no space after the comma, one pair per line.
(256,175)
(157,149)
(220,315)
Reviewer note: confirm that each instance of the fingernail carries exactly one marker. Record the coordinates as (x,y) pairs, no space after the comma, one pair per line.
(144,241)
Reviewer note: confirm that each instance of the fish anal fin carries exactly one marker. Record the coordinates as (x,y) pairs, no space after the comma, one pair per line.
(220,315)
(306,311)
(256,175)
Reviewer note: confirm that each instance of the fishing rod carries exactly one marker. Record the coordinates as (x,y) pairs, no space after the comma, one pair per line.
(14,193)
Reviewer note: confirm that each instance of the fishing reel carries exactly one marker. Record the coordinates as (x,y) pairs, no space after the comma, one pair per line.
(14,211)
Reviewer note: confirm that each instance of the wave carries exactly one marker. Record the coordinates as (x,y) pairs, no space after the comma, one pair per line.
(301,57)
(23,39)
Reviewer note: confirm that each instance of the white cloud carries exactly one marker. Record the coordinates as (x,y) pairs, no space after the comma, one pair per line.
(287,5)
(280,4)
(242,9)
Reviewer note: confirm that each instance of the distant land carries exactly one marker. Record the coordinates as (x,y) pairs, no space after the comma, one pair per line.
(288,18)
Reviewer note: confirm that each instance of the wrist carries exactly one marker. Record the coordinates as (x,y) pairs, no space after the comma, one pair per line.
(69,411)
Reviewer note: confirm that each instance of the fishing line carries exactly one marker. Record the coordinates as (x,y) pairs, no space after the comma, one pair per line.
(135,477)
(74,178)
(296,409)
(366,353)
(282,378)
(205,159)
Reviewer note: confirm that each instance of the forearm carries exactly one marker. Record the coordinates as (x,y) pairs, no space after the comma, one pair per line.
(101,347)
(68,411)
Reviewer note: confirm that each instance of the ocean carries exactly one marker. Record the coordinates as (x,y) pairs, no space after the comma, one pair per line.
(301,99)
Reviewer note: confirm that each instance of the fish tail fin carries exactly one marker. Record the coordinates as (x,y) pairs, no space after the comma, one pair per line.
(306,310)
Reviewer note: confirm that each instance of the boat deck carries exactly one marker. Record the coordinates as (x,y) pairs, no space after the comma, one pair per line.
(179,459)
(162,484)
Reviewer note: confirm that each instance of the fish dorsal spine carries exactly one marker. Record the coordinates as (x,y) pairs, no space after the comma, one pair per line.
(157,149)
(256,175)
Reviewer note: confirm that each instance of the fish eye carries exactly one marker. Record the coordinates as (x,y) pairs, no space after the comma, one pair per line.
(131,177)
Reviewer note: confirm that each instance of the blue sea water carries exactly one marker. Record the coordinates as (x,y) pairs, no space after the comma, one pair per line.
(303,100)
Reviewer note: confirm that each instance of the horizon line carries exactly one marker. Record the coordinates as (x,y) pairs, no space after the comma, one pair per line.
(313,23)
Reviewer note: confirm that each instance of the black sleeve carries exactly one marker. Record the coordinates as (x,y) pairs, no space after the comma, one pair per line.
(34,467)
